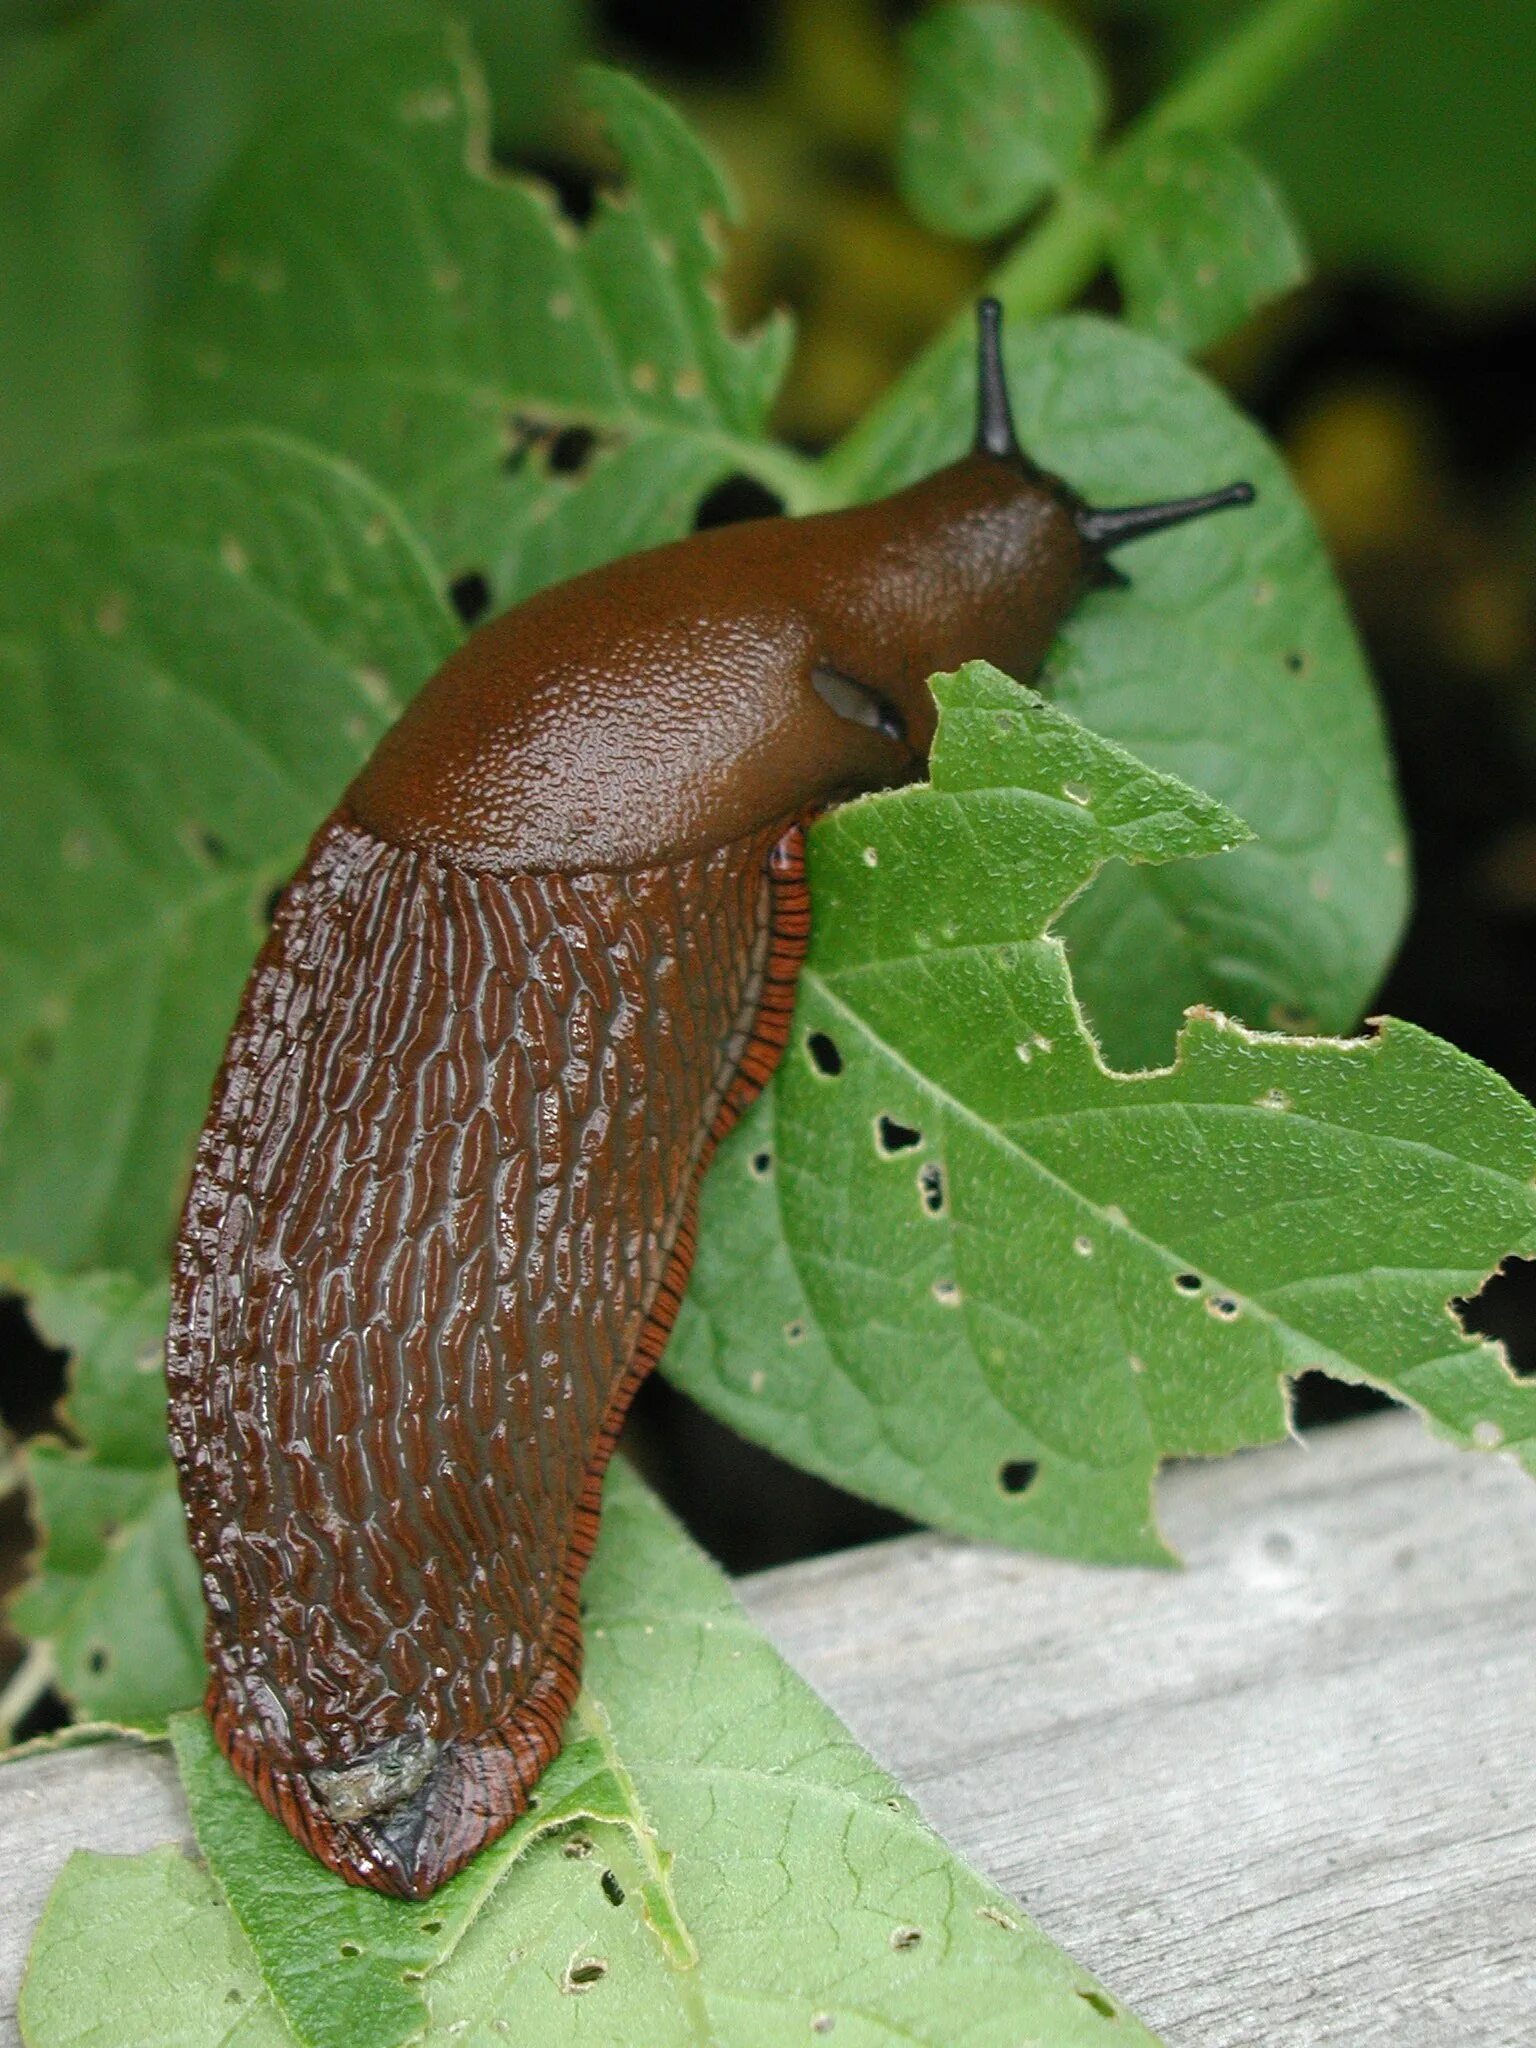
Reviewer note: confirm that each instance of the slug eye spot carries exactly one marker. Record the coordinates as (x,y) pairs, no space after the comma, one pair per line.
(856,702)
(470,595)
(1017,1475)
(736,498)
(930,1184)
(825,1057)
(613,1891)
(895,1137)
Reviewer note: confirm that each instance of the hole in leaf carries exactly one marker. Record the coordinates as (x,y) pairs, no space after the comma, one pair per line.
(31,1372)
(1316,1400)
(431,1926)
(1187,1283)
(1017,1475)
(349,1949)
(571,451)
(613,1891)
(825,1056)
(734,499)
(574,185)
(762,1164)
(1099,2002)
(1506,1311)
(470,595)
(906,1937)
(583,1975)
(896,1137)
(1223,1308)
(97,1659)
(930,1183)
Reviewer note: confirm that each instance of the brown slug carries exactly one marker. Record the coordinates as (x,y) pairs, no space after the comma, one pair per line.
(538,960)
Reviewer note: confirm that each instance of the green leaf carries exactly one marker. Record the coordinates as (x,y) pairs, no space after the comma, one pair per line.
(112,134)
(114,1598)
(989,1281)
(1407,144)
(1002,106)
(197,650)
(369,283)
(739,1872)
(1230,662)
(1202,239)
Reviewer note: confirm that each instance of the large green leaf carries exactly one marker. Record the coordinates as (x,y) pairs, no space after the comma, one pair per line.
(973,1272)
(114,1598)
(369,282)
(197,649)
(741,1874)
(1002,106)
(112,133)
(1230,662)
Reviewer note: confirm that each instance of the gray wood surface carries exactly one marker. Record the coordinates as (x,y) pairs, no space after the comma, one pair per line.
(1286,1799)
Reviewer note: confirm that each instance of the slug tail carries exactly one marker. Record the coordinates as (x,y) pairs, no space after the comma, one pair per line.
(403,1818)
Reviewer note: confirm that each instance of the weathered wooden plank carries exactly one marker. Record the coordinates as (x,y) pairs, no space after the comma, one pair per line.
(1287,1797)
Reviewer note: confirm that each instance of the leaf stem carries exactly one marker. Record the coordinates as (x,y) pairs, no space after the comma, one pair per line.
(1051,265)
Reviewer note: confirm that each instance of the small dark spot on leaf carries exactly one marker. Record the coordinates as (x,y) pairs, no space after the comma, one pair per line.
(613,1891)
(97,1659)
(930,1182)
(431,1926)
(906,1937)
(37,1048)
(234,1995)
(738,497)
(762,1164)
(578,1846)
(207,845)
(349,1949)
(571,450)
(1099,2002)
(471,595)
(1187,1283)
(825,1056)
(583,1975)
(1295,662)
(1017,1475)
(897,1137)
(823,2023)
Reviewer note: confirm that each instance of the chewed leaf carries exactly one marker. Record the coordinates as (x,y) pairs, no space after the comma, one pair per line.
(113,1598)
(713,1859)
(1202,239)
(1065,1274)
(541,395)
(1003,103)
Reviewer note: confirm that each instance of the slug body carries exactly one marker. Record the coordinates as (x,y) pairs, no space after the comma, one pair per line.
(536,963)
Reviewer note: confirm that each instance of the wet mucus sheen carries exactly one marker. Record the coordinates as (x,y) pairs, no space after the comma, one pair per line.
(537,961)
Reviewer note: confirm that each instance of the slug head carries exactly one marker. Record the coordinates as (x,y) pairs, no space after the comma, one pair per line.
(686,696)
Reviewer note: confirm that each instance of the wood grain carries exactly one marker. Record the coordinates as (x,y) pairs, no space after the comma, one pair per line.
(1287,1797)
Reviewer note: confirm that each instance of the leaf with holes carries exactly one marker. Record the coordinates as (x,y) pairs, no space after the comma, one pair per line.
(1231,662)
(197,650)
(714,1859)
(1002,106)
(971,1270)
(542,396)
(113,1603)
(1202,239)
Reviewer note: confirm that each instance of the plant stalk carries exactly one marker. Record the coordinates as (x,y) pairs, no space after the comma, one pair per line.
(1053,264)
